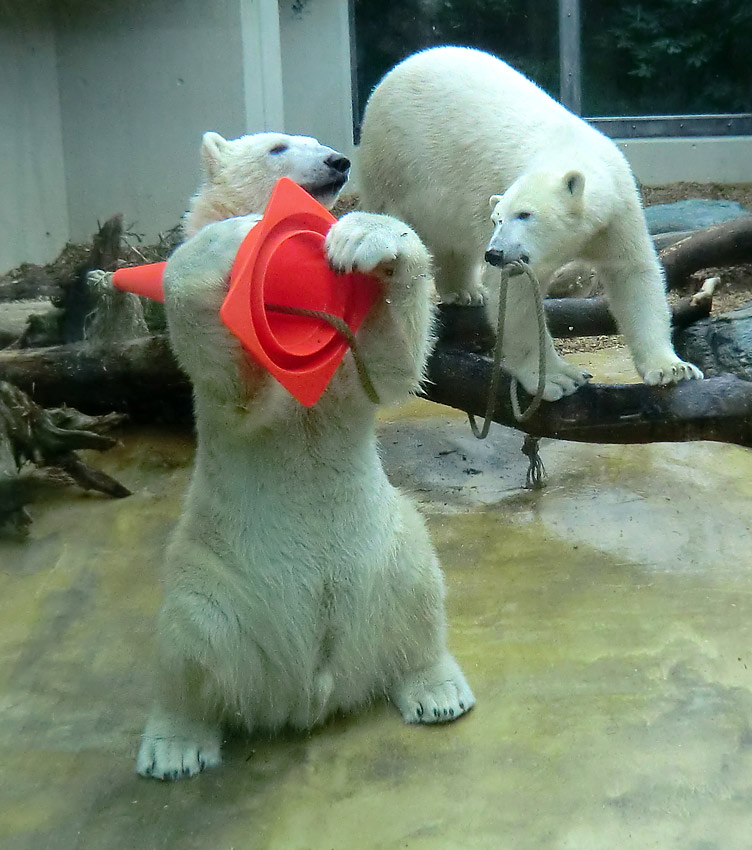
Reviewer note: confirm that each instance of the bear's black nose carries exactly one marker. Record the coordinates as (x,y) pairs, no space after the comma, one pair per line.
(495,257)
(338,163)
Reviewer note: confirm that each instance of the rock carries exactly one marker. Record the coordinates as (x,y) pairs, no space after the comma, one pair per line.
(691,215)
(720,343)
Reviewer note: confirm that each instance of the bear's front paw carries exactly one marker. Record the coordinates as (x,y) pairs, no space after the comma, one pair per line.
(671,371)
(368,242)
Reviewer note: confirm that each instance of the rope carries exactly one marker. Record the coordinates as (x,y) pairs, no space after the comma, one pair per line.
(519,415)
(343,328)
(536,472)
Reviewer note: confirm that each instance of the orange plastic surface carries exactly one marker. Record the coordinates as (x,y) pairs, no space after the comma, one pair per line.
(141,280)
(282,262)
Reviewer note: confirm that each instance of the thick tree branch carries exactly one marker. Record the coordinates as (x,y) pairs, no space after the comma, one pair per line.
(141,376)
(570,317)
(716,409)
(724,244)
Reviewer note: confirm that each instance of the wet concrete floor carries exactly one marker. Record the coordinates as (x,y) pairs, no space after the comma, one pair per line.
(604,622)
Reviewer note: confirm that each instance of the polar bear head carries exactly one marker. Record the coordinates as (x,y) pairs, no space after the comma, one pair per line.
(537,220)
(239,174)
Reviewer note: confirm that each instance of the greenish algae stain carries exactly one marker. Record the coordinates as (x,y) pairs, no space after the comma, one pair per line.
(604,624)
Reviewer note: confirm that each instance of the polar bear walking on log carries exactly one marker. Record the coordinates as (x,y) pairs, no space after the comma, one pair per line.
(450,129)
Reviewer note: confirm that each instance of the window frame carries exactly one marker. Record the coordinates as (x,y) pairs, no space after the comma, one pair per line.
(634,126)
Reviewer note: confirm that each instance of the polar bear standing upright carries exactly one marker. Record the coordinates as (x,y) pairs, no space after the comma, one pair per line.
(447,129)
(298,581)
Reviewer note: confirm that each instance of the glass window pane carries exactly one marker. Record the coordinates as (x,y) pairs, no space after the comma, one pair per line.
(522,32)
(663,57)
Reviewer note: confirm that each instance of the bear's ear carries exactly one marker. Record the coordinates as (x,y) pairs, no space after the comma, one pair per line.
(574,183)
(493,200)
(213,147)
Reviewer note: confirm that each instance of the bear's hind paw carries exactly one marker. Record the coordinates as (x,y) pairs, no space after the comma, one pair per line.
(475,297)
(171,749)
(439,694)
(176,758)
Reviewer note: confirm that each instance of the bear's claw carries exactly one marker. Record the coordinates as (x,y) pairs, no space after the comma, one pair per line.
(439,694)
(562,379)
(174,759)
(475,297)
(672,372)
(171,750)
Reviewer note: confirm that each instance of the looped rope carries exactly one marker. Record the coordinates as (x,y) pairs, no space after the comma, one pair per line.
(342,328)
(520,415)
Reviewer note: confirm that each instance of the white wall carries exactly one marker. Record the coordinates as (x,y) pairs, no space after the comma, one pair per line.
(106,101)
(33,209)
(141,81)
(316,70)
(656,162)
(139,84)
(263,92)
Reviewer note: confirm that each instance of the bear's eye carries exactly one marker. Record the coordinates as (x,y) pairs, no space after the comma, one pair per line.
(523,215)
(280,148)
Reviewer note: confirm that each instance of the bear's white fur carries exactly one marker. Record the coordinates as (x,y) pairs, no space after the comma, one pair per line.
(449,127)
(239,174)
(298,581)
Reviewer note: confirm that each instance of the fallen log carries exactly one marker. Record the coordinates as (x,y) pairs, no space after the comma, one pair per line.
(468,329)
(717,409)
(570,317)
(141,377)
(726,244)
(138,376)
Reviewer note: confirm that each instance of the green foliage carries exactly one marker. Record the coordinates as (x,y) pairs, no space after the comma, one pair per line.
(640,57)
(523,32)
(658,57)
